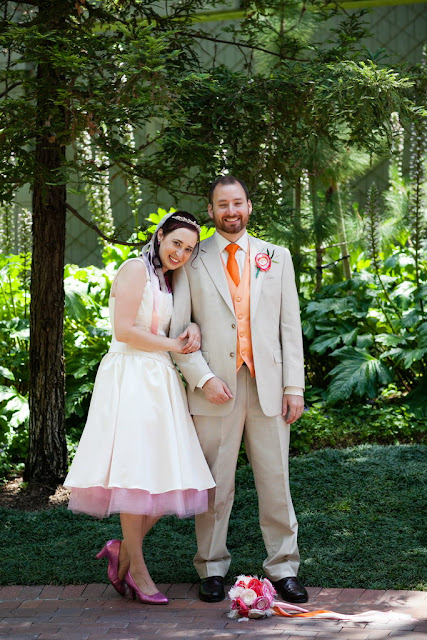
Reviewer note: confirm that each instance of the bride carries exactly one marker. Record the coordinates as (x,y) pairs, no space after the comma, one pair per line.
(139,454)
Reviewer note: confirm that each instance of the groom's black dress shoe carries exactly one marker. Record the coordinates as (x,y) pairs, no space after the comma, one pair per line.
(212,589)
(291,590)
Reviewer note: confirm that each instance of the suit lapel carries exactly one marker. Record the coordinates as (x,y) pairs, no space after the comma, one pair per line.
(256,246)
(211,258)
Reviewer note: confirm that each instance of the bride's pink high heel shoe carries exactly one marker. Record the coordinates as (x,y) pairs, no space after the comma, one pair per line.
(157,598)
(111,551)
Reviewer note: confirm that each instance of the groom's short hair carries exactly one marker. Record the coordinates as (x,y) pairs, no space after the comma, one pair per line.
(227,179)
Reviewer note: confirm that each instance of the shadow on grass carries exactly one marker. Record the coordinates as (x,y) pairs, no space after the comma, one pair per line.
(359,512)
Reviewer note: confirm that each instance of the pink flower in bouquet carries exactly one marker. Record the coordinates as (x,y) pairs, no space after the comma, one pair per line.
(262,603)
(268,589)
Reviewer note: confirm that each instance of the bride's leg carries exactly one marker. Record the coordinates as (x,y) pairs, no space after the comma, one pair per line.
(135,528)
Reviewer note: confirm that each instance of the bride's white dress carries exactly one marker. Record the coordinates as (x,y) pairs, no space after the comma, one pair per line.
(139,451)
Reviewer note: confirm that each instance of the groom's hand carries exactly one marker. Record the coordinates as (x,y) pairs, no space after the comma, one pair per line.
(293,407)
(216,391)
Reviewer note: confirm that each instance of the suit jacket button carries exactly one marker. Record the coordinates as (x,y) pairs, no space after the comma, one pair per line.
(233,326)
(232,354)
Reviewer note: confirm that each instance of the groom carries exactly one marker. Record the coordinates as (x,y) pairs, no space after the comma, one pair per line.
(247,381)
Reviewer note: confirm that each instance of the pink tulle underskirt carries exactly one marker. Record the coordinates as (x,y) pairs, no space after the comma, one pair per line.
(100,502)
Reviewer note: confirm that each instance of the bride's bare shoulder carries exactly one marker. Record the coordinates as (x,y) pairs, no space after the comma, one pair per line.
(132,272)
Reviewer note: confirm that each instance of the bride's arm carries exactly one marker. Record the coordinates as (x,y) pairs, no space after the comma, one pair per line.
(128,289)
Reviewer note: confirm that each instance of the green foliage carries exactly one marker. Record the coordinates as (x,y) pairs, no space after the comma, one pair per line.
(13,422)
(359,372)
(360,514)
(347,425)
(297,107)
(86,336)
(369,331)
(14,340)
(133,68)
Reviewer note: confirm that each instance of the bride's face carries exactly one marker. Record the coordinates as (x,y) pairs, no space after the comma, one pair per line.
(176,247)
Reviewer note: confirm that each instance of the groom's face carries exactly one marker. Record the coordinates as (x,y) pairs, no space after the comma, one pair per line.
(230,209)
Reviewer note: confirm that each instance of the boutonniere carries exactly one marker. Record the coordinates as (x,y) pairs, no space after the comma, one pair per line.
(263,261)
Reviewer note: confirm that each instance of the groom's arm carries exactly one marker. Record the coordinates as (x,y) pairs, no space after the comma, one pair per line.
(290,328)
(194,367)
(292,345)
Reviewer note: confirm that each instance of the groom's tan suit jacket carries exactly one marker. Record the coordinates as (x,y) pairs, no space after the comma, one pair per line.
(274,320)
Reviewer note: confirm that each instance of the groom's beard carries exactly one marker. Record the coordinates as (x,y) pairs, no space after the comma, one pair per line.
(231,227)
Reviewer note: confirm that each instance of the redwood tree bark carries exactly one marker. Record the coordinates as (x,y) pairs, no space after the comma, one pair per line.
(47,453)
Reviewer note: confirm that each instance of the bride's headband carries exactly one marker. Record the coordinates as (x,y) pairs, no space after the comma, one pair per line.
(188,221)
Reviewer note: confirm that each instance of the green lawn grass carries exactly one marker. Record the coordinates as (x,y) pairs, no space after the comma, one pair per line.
(360,514)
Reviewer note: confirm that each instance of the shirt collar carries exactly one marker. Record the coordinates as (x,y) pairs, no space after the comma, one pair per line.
(222,242)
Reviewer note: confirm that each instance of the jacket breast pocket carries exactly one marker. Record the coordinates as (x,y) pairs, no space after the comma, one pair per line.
(271,287)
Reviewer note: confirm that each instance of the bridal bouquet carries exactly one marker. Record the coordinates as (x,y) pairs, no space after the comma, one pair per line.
(251,598)
(256,598)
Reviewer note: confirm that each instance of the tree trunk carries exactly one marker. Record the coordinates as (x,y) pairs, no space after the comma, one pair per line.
(47,453)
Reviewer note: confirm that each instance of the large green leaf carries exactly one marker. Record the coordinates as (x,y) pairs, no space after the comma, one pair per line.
(77,301)
(411,318)
(408,356)
(365,340)
(6,373)
(15,406)
(323,343)
(389,339)
(308,329)
(350,336)
(358,373)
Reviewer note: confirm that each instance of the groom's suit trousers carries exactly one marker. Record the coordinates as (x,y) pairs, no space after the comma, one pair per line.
(267,442)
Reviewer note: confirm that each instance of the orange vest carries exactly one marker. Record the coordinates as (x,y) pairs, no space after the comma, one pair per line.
(241,301)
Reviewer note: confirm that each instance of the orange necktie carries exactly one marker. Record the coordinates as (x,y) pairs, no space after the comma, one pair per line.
(232,266)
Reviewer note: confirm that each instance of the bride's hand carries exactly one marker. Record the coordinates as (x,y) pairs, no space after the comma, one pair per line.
(177,345)
(193,338)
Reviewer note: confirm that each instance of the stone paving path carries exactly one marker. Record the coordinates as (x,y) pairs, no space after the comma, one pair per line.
(97,612)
